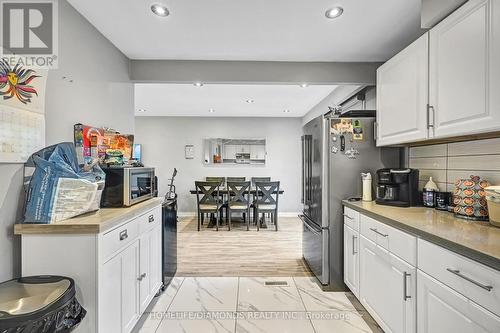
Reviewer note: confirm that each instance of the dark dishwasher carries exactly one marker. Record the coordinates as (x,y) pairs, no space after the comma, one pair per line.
(169,234)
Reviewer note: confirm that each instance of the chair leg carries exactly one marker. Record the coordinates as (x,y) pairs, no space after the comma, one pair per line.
(229,219)
(248,219)
(257,219)
(199,220)
(217,221)
(276,219)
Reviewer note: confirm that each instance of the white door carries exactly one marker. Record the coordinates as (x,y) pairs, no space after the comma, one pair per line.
(145,265)
(443,310)
(465,70)
(387,288)
(351,259)
(110,295)
(130,286)
(402,95)
(254,153)
(230,152)
(155,280)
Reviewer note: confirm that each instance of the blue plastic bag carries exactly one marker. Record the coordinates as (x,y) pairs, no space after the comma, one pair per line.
(59,188)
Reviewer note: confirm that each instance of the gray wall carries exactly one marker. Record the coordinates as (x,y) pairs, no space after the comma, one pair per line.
(101,94)
(164,138)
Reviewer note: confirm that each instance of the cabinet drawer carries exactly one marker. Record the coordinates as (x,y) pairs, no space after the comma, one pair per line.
(118,238)
(149,220)
(395,241)
(351,218)
(471,279)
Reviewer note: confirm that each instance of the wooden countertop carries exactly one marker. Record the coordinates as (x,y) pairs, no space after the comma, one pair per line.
(90,223)
(479,241)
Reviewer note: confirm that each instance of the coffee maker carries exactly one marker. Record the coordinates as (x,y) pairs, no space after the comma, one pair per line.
(397,187)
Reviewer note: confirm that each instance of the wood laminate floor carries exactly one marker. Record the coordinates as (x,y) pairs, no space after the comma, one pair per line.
(239,252)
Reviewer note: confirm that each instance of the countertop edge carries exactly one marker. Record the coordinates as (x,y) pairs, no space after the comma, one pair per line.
(83,228)
(465,251)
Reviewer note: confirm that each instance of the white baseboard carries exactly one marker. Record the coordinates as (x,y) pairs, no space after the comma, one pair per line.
(280,214)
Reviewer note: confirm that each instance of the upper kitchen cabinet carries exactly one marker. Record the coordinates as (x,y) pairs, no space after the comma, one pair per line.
(464,67)
(402,95)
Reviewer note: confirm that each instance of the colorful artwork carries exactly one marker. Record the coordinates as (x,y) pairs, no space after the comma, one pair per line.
(15,82)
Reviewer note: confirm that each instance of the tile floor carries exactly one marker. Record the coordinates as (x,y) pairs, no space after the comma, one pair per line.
(248,305)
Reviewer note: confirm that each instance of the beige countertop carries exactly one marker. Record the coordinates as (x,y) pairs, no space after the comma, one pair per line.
(479,241)
(90,223)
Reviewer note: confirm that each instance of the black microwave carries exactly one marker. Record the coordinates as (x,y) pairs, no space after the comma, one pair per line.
(126,186)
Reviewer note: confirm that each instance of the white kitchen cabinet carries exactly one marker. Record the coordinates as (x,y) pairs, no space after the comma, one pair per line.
(230,152)
(149,276)
(351,259)
(130,310)
(402,95)
(464,67)
(106,265)
(387,288)
(443,310)
(257,152)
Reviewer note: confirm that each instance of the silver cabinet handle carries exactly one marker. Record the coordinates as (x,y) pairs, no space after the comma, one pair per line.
(141,277)
(479,284)
(378,232)
(151,218)
(350,218)
(123,235)
(429,118)
(405,286)
(354,238)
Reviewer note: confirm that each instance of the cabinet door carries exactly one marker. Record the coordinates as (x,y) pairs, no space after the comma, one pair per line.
(443,310)
(465,70)
(402,95)
(145,265)
(351,259)
(387,288)
(254,153)
(110,295)
(230,152)
(130,286)
(156,279)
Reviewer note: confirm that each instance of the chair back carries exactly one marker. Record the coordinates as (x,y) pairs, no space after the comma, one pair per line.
(207,193)
(235,179)
(221,180)
(267,193)
(260,179)
(238,192)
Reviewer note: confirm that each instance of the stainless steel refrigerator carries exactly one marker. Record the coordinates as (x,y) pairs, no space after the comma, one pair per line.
(335,150)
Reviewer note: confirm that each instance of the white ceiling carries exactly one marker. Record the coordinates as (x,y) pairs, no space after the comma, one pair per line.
(228,100)
(265,30)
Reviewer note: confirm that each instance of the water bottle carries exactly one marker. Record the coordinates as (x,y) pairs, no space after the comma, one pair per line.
(367,186)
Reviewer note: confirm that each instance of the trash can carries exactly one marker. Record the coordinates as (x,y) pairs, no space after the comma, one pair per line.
(39,304)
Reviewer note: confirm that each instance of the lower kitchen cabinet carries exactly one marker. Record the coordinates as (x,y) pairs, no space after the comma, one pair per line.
(351,259)
(443,310)
(387,288)
(117,272)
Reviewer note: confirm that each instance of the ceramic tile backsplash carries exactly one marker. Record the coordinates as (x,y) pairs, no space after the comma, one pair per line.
(447,162)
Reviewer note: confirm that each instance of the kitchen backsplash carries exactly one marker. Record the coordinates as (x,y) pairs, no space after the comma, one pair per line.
(451,161)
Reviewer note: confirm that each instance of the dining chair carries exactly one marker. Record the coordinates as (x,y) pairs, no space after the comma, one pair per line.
(236,179)
(207,197)
(266,201)
(260,179)
(222,181)
(238,200)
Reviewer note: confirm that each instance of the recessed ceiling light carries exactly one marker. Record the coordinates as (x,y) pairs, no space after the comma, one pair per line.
(211,110)
(141,110)
(250,101)
(304,85)
(286,111)
(198,84)
(334,12)
(160,10)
